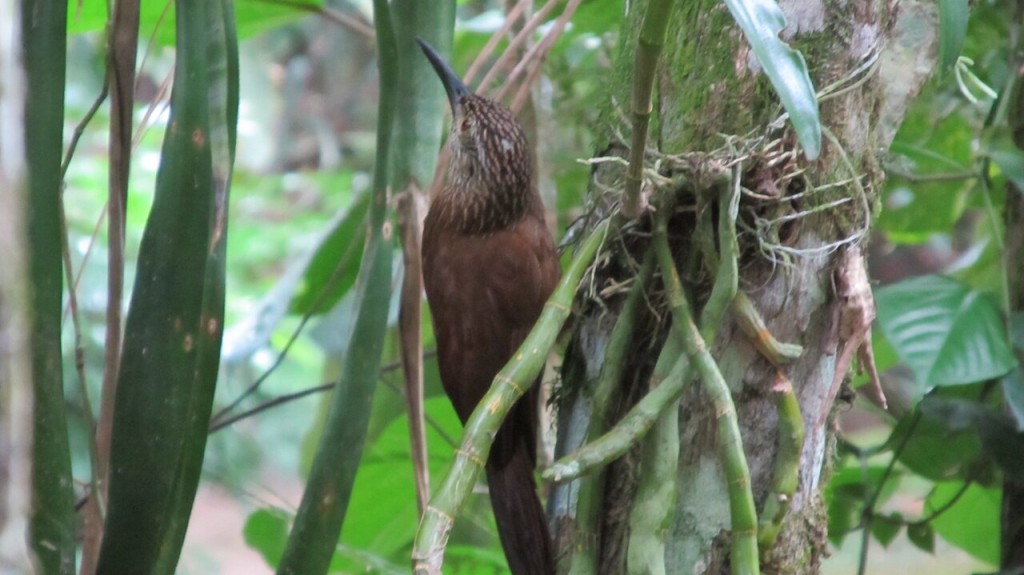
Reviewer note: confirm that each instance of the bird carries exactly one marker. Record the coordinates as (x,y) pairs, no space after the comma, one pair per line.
(489,265)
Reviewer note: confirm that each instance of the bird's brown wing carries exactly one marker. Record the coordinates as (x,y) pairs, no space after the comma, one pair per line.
(485,294)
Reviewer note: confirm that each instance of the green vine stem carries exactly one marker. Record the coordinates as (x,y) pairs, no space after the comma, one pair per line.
(652,38)
(671,373)
(650,520)
(744,554)
(604,394)
(509,385)
(787,464)
(726,269)
(752,325)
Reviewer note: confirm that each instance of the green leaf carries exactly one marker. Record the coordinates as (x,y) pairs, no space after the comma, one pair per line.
(885,528)
(933,450)
(1013,392)
(322,512)
(999,437)
(930,141)
(922,536)
(762,21)
(953,18)
(972,523)
(849,489)
(382,515)
(947,333)
(266,531)
(1011,164)
(332,270)
(158,18)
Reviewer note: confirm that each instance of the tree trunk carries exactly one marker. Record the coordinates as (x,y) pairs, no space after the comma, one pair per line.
(710,85)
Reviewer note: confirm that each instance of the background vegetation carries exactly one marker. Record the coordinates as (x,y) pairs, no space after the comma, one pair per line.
(930,473)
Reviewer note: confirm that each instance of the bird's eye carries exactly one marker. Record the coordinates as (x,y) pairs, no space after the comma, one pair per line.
(466,124)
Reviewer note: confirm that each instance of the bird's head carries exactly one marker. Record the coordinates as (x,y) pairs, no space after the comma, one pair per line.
(488,145)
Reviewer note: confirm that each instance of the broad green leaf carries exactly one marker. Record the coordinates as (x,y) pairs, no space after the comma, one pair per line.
(382,514)
(945,332)
(475,560)
(847,492)
(931,140)
(762,21)
(953,18)
(332,271)
(158,17)
(1013,392)
(972,523)
(933,450)
(265,531)
(885,528)
(999,437)
(1011,164)
(922,536)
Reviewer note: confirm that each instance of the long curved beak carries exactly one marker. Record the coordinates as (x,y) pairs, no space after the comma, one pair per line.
(452,83)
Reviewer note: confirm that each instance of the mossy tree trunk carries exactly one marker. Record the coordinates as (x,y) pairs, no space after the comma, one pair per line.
(710,85)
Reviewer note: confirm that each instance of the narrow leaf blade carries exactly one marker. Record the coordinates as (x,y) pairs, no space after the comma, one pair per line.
(761,22)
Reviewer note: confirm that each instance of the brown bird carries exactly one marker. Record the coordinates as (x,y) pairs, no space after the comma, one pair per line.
(489,264)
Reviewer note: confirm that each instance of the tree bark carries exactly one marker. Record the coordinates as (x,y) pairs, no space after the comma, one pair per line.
(710,84)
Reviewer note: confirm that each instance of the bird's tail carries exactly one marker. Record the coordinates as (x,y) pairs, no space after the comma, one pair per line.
(521,522)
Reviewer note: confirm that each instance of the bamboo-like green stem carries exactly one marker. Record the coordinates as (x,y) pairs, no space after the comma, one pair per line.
(604,396)
(726,268)
(752,325)
(222,94)
(670,376)
(509,385)
(652,38)
(654,506)
(671,373)
(321,514)
(165,386)
(417,135)
(43,46)
(787,464)
(744,554)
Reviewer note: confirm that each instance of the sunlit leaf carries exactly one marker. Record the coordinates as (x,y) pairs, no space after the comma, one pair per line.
(251,17)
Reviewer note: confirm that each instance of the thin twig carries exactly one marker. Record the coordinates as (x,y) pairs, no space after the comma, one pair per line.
(321,297)
(514,45)
(492,42)
(539,53)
